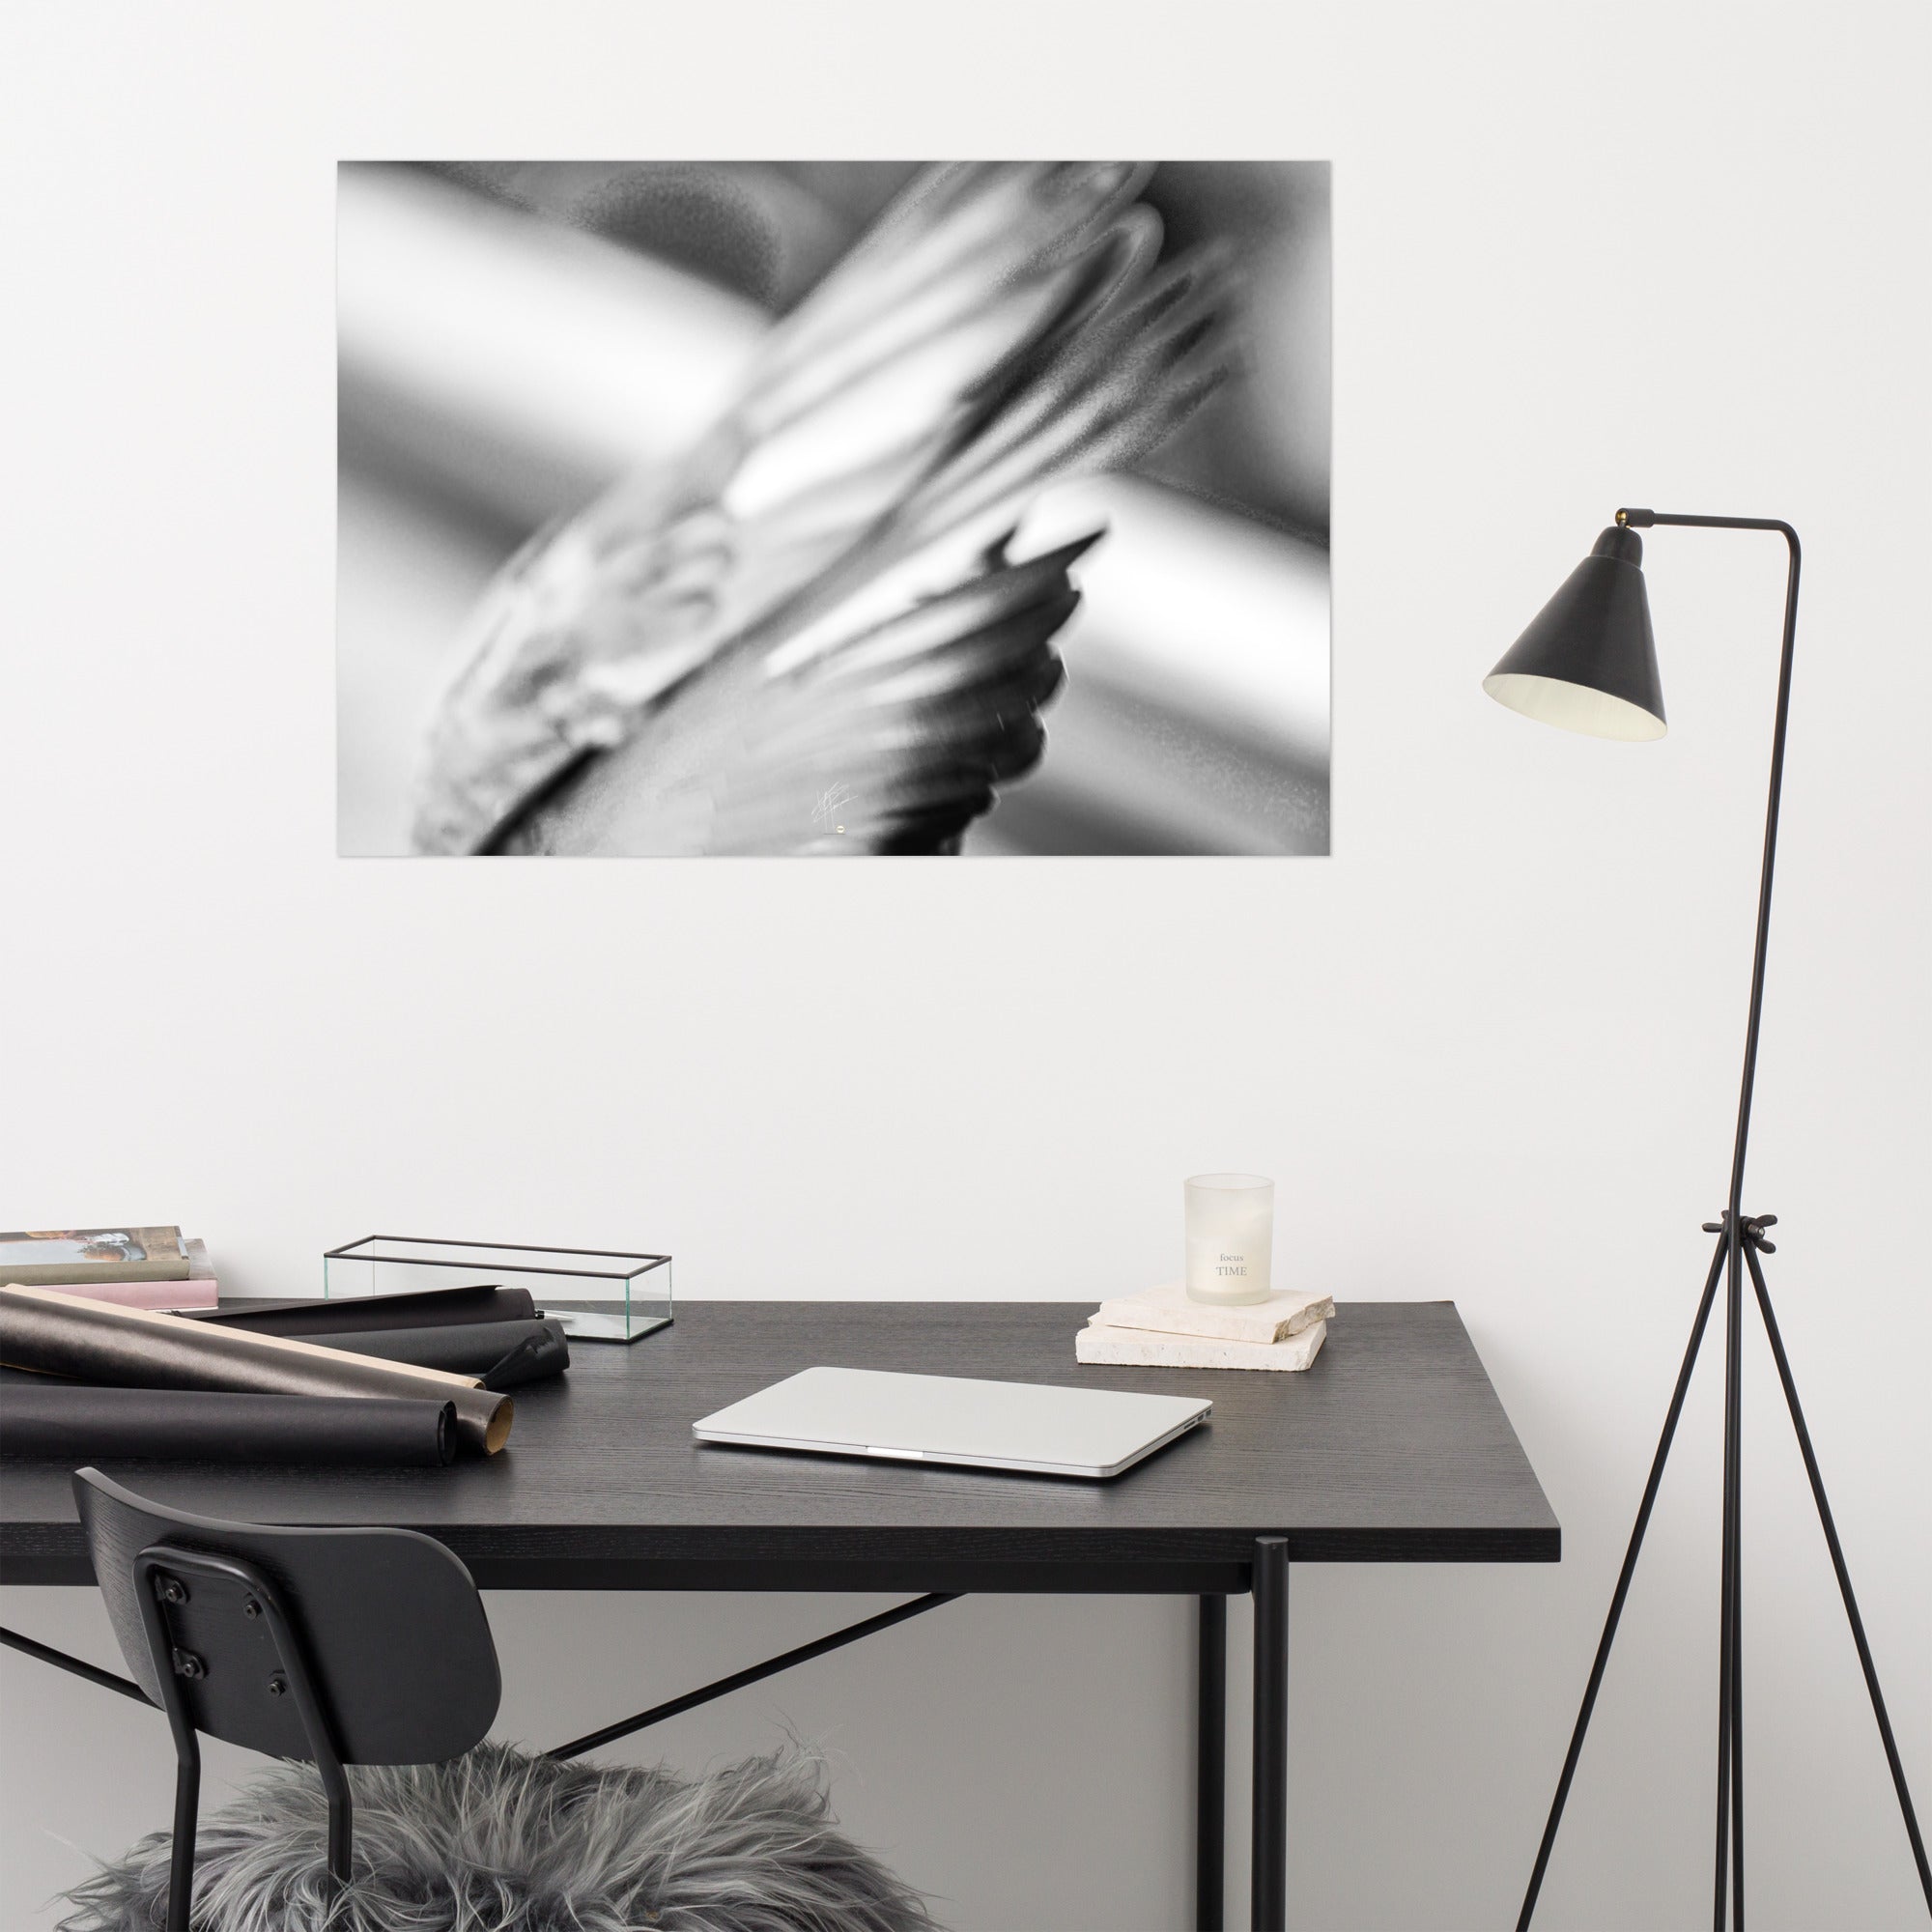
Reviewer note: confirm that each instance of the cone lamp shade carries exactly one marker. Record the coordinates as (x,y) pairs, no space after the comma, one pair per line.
(1588,661)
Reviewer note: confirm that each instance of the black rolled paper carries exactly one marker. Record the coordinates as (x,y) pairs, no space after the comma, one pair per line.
(466,1348)
(71,1423)
(364,1314)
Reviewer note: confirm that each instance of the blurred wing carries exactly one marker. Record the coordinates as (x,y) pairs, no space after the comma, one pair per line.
(891,738)
(1002,325)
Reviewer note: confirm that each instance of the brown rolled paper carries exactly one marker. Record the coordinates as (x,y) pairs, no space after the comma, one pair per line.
(73,1424)
(137,1348)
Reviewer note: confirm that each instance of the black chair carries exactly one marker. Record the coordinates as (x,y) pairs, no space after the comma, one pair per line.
(371,1647)
(330,1646)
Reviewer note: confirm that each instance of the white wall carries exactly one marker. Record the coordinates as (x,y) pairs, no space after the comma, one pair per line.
(1671,255)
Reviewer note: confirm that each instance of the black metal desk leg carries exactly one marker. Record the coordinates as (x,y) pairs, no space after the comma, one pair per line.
(1270,1893)
(1210,1766)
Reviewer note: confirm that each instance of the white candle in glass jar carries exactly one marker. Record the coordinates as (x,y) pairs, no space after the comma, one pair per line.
(1230,1236)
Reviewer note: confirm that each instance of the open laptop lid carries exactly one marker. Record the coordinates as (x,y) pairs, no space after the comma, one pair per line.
(1042,1429)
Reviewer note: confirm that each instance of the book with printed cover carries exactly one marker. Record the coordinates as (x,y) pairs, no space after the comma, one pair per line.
(60,1257)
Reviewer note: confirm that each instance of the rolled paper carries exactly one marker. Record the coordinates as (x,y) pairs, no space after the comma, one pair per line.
(364,1314)
(136,1348)
(466,1348)
(73,1424)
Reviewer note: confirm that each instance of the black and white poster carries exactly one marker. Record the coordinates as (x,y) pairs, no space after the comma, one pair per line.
(834,508)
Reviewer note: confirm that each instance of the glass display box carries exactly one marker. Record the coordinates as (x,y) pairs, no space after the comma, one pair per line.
(598,1297)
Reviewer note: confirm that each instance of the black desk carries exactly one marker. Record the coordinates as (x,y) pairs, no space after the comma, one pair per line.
(1391,1448)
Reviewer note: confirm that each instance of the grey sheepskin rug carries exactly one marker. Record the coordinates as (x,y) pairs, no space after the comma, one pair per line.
(497,1841)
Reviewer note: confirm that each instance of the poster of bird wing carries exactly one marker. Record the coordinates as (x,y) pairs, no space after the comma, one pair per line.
(834,509)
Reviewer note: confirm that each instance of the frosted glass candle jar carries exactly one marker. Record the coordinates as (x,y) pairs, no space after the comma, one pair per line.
(1230,1236)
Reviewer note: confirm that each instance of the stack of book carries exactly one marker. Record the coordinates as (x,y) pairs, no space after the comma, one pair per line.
(132,1268)
(1162,1328)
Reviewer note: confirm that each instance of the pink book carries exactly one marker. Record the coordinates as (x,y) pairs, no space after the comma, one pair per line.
(162,1294)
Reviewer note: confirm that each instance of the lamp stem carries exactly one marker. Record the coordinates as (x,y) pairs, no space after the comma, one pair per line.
(1764,876)
(1641,519)
(1733,1687)
(1730,1860)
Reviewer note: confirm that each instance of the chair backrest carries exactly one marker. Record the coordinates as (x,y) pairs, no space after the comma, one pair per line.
(391,1632)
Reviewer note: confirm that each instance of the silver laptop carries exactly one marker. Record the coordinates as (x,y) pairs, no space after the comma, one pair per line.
(1045,1432)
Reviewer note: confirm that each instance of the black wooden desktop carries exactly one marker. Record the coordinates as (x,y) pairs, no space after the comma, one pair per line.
(1392,1447)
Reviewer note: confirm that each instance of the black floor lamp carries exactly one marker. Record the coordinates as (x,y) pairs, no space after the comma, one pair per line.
(1589,663)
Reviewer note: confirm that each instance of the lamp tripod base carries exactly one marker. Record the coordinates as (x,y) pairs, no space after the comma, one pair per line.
(1741,1241)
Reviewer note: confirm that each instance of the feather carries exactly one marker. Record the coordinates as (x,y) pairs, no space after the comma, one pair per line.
(890,738)
(809,634)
